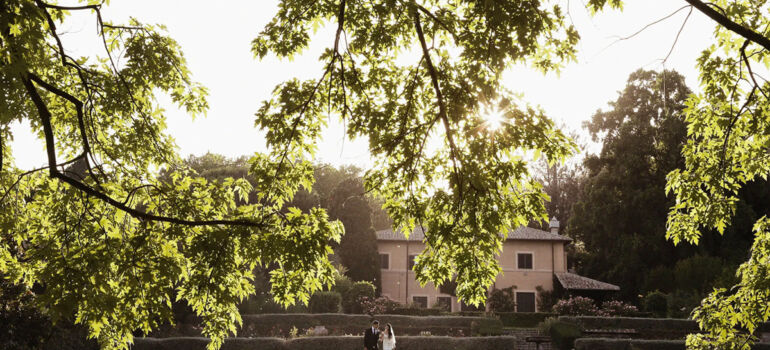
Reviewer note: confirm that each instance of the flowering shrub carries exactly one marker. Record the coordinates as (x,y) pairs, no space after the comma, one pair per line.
(618,308)
(379,306)
(577,306)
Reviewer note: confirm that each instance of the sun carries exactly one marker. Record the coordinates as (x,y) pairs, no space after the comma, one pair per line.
(493,119)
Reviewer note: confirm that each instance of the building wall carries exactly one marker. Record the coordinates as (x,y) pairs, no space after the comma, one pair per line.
(548,257)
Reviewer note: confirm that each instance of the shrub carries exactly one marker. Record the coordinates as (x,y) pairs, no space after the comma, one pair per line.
(414,310)
(487,326)
(351,301)
(656,303)
(502,300)
(563,334)
(523,319)
(377,306)
(576,306)
(618,308)
(545,299)
(681,304)
(325,302)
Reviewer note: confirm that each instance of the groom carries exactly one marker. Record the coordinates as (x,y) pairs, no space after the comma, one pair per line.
(372,336)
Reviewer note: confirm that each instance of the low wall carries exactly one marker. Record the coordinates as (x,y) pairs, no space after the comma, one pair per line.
(335,343)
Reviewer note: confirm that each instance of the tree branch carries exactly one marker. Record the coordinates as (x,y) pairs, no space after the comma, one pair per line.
(45,119)
(440,100)
(731,25)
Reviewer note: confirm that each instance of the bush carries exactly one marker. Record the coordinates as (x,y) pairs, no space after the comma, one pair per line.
(655,303)
(681,304)
(487,326)
(576,306)
(618,308)
(523,319)
(563,334)
(502,300)
(378,306)
(546,299)
(414,310)
(351,301)
(325,302)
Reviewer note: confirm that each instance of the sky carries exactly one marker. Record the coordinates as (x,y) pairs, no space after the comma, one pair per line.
(216,40)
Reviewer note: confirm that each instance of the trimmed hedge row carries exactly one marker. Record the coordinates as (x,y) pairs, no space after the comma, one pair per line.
(640,324)
(523,319)
(638,344)
(646,328)
(337,343)
(267,325)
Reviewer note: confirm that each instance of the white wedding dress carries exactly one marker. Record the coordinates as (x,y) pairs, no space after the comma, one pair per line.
(388,343)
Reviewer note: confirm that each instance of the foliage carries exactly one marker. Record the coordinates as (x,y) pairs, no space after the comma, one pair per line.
(378,306)
(563,334)
(358,248)
(546,299)
(523,319)
(642,135)
(618,308)
(487,327)
(502,300)
(415,310)
(351,300)
(325,302)
(655,302)
(480,188)
(576,306)
(22,326)
(697,273)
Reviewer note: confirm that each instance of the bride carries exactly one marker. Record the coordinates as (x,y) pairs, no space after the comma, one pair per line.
(388,338)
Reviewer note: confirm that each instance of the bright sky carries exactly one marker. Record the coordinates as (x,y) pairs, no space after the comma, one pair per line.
(216,41)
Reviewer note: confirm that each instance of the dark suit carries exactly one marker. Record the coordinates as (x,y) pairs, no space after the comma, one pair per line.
(371,339)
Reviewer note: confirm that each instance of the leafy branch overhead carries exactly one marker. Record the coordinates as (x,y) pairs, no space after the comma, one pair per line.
(414,79)
(110,243)
(113,244)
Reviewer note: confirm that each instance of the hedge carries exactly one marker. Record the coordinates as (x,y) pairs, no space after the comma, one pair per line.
(337,343)
(266,325)
(638,344)
(523,319)
(325,302)
(646,328)
(413,311)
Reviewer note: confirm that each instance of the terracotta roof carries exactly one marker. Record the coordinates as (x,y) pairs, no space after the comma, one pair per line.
(573,281)
(521,233)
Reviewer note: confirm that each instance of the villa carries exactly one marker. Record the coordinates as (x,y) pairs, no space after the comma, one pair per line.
(531,260)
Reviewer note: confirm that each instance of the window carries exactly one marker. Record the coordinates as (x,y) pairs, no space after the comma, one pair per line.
(412,258)
(444,303)
(421,302)
(385,261)
(525,302)
(524,261)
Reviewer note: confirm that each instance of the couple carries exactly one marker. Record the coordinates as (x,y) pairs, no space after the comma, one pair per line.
(373,335)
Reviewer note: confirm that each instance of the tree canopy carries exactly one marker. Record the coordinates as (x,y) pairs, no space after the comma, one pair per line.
(113,244)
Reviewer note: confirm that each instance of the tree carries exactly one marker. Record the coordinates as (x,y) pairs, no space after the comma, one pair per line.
(620,216)
(563,183)
(358,247)
(726,150)
(113,246)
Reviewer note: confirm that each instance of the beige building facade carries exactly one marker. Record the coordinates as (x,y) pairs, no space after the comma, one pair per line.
(532,260)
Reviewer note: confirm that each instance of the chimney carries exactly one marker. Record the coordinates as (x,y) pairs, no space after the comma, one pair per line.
(554,225)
